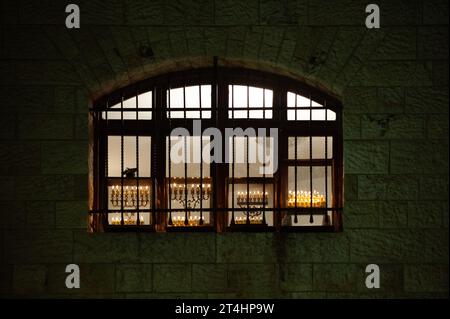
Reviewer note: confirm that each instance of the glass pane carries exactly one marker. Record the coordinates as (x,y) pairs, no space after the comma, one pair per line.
(129,218)
(129,154)
(193,192)
(299,101)
(144,101)
(318,151)
(307,196)
(256,199)
(256,97)
(193,156)
(241,96)
(256,156)
(190,100)
(130,194)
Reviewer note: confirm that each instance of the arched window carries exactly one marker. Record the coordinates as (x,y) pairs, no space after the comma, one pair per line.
(219,149)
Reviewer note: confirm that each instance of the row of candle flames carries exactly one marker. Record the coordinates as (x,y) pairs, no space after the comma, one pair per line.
(306,199)
(299,199)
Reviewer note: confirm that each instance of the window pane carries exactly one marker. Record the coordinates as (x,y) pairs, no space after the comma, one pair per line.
(195,152)
(190,100)
(301,196)
(144,101)
(256,156)
(193,156)
(318,150)
(241,96)
(296,101)
(256,97)
(255,200)
(129,154)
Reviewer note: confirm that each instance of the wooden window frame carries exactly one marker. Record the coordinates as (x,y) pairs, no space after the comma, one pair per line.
(160,126)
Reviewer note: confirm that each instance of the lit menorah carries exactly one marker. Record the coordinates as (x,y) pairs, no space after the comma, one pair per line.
(252,200)
(130,196)
(189,195)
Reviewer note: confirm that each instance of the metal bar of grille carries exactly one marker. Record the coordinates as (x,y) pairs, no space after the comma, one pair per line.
(201,158)
(311,218)
(186,221)
(233,143)
(169,157)
(248,183)
(137,162)
(121,160)
(326,219)
(106,197)
(295,167)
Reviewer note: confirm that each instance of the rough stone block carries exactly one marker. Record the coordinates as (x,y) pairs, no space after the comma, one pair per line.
(350,187)
(296,277)
(386,187)
(392,126)
(64,157)
(38,246)
(187,13)
(81,127)
(26,99)
(394,214)
(306,248)
(236,12)
(244,278)
(419,157)
(64,99)
(288,12)
(20,158)
(51,187)
(71,214)
(29,280)
(246,248)
(51,127)
(393,246)
(28,43)
(399,44)
(8,127)
(172,277)
(352,126)
(432,43)
(177,248)
(427,100)
(361,214)
(393,73)
(134,278)
(105,248)
(366,157)
(95,280)
(209,278)
(426,214)
(340,13)
(433,187)
(437,126)
(435,12)
(40,214)
(337,277)
(426,278)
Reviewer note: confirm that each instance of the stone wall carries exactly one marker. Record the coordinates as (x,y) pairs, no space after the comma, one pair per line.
(394,86)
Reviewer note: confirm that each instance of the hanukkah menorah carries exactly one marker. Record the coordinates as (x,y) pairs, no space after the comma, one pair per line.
(130,196)
(253,200)
(189,195)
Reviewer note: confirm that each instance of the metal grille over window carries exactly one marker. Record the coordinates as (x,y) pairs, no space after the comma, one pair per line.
(216,149)
(189,184)
(251,189)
